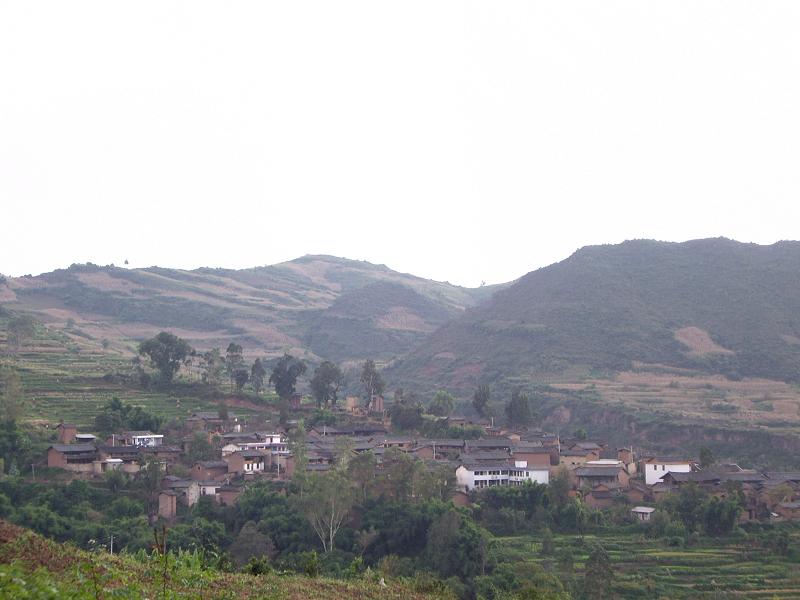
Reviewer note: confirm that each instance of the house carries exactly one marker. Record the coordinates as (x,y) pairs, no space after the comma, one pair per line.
(642,513)
(209,488)
(788,510)
(534,455)
(66,432)
(213,422)
(656,467)
(136,438)
(470,476)
(130,456)
(577,457)
(602,496)
(438,449)
(167,504)
(79,458)
(404,443)
(209,470)
(590,476)
(247,461)
(186,490)
(227,495)
(501,443)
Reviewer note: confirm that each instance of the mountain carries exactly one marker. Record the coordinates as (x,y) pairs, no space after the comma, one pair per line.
(330,307)
(713,305)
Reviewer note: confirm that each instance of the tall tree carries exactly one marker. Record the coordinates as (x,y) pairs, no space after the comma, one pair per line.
(167,352)
(213,366)
(326,504)
(257,374)
(372,380)
(442,404)
(480,399)
(234,361)
(518,410)
(325,383)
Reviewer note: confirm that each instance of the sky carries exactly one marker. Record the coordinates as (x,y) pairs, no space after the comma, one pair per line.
(460,141)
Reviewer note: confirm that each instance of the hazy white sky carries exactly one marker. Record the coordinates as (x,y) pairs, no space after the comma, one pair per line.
(462,141)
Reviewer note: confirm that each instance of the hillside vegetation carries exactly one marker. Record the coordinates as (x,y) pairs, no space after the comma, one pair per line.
(710,306)
(337,308)
(33,567)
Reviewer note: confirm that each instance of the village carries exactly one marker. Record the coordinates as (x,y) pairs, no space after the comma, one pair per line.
(600,475)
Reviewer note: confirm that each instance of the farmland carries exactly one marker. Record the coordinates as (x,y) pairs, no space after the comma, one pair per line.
(733,567)
(66,377)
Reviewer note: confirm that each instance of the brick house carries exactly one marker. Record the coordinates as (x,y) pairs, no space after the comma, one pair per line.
(79,458)
(209,470)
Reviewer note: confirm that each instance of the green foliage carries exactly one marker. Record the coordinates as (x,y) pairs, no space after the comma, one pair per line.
(442,404)
(117,415)
(372,380)
(481,398)
(257,374)
(406,417)
(325,384)
(518,410)
(284,375)
(167,352)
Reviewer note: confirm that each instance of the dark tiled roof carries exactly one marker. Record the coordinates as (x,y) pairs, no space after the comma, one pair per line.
(74,448)
(213,464)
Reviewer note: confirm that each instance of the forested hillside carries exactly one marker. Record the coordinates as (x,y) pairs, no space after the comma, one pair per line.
(714,306)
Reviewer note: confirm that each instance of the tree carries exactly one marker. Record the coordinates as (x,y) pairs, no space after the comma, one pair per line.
(213,365)
(706,457)
(20,329)
(361,471)
(200,448)
(518,410)
(480,399)
(257,374)
(234,361)
(325,383)
(442,404)
(598,574)
(326,504)
(284,375)
(372,380)
(11,394)
(250,543)
(167,352)
(240,378)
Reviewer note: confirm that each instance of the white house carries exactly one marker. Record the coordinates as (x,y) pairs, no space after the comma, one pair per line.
(138,438)
(655,468)
(480,475)
(642,513)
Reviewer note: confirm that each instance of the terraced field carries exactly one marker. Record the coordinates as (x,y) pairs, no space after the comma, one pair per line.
(71,379)
(724,568)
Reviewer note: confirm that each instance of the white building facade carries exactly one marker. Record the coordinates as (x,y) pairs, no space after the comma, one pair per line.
(478,476)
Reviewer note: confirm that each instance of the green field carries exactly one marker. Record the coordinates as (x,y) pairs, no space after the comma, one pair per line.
(648,568)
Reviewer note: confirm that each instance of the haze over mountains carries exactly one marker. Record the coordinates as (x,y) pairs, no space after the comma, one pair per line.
(711,305)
